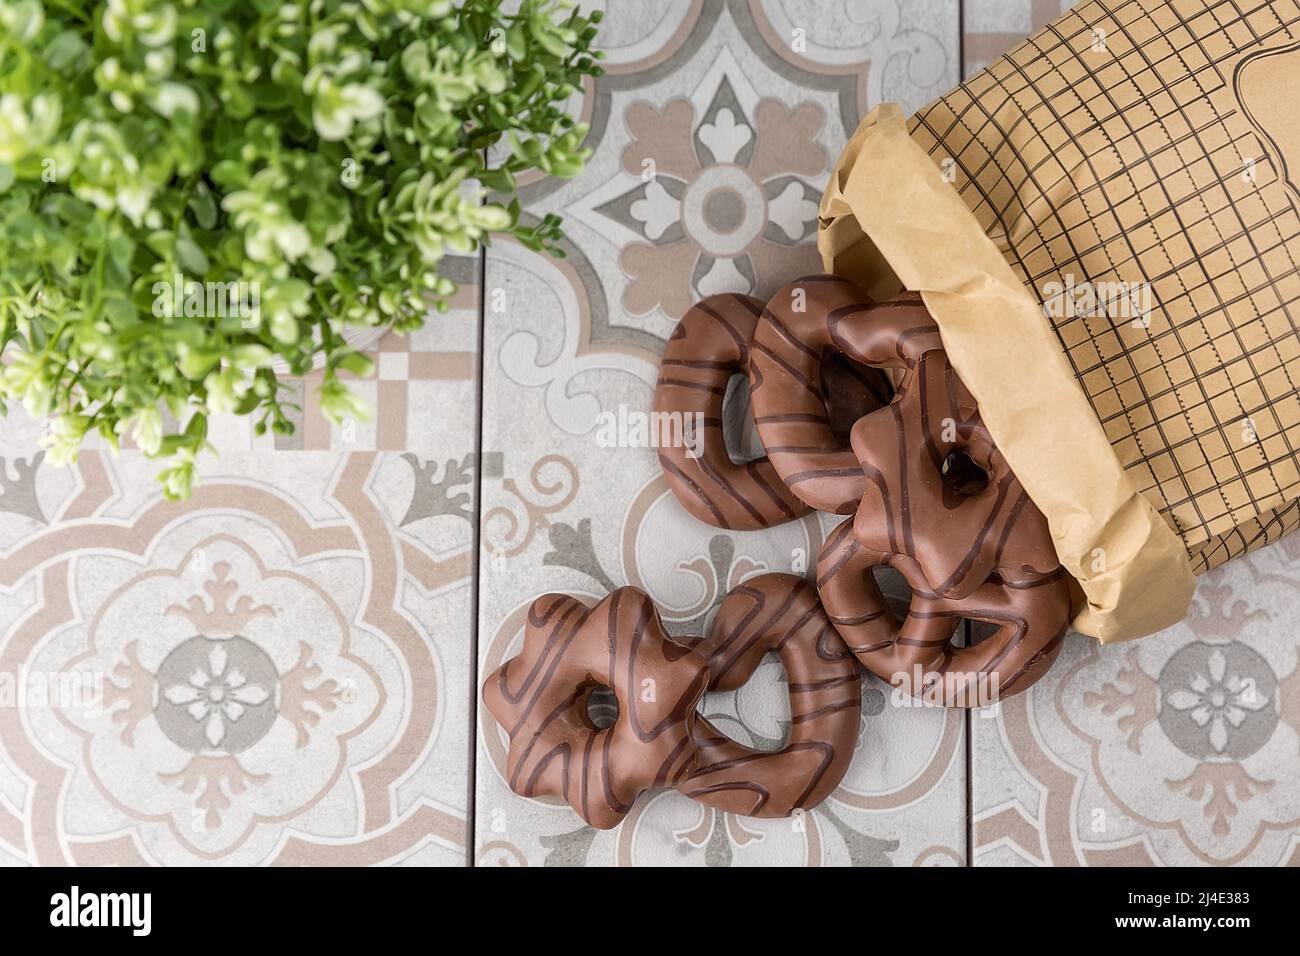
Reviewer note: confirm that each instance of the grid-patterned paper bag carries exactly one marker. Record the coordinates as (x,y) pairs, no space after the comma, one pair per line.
(1104,225)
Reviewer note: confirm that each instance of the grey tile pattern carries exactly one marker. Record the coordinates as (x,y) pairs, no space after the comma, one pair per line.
(1177,749)
(277,670)
(712,143)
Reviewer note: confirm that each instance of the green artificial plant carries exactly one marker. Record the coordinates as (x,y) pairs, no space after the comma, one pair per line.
(196,193)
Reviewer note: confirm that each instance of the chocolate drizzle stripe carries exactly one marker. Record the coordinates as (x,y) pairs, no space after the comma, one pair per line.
(823,711)
(866,618)
(700,364)
(586,774)
(904,483)
(792,418)
(968,561)
(830,682)
(779,327)
(696,386)
(553,649)
(741,341)
(729,489)
(562,751)
(874,648)
(782,613)
(671,468)
(563,707)
(755,469)
(698,793)
(618,806)
(802,476)
(789,369)
(799,450)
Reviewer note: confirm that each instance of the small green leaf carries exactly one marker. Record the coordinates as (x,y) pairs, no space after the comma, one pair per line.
(65,49)
(148,146)
(356,363)
(190,257)
(204,207)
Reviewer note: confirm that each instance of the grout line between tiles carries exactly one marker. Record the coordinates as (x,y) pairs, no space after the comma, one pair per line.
(471,806)
(476,576)
(968,756)
(969,781)
(961,41)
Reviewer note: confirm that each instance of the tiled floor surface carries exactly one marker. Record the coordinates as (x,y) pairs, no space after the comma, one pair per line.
(344,556)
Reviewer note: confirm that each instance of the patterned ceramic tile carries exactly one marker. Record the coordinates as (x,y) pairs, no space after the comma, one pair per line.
(275,671)
(1179,748)
(422,391)
(280,670)
(991,27)
(714,133)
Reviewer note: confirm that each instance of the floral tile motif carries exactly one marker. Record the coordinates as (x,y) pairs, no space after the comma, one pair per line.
(737,109)
(281,670)
(902,802)
(422,390)
(1179,748)
(275,672)
(723,203)
(712,143)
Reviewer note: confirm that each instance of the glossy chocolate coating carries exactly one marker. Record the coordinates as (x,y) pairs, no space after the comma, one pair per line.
(540,699)
(916,653)
(782,613)
(938,490)
(709,345)
(930,492)
(788,388)
(657,737)
(931,496)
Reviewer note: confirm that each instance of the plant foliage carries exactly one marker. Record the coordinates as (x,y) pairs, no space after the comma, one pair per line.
(312,162)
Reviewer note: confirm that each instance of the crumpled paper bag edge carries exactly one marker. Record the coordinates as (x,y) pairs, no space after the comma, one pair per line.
(887,202)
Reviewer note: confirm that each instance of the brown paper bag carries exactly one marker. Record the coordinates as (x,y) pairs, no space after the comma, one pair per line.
(1104,224)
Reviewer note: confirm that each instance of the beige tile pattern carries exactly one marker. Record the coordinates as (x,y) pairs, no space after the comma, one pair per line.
(422,392)
(739,113)
(277,671)
(285,664)
(1177,749)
